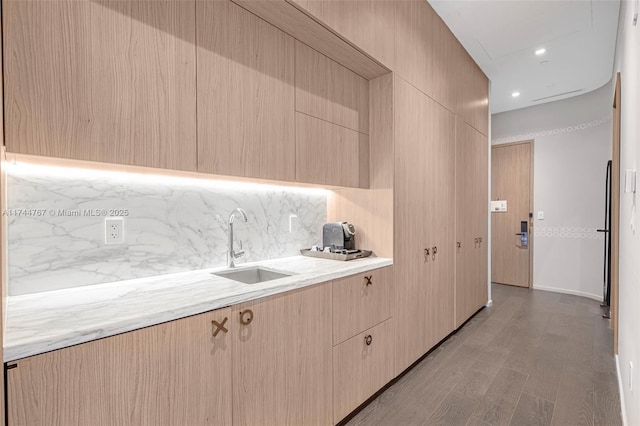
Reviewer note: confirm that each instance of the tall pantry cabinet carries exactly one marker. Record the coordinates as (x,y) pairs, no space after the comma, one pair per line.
(423,228)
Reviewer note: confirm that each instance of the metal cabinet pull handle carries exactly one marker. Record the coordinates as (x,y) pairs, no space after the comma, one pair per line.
(426,255)
(368,339)
(435,250)
(219,326)
(246,317)
(368,280)
(459,245)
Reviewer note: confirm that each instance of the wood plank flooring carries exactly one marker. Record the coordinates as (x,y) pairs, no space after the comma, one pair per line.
(532,358)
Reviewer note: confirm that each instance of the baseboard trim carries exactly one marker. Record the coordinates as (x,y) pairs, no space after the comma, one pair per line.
(621,390)
(572,292)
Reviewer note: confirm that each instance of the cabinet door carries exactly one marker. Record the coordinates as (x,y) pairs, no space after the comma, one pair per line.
(245,94)
(440,216)
(410,267)
(424,212)
(471,220)
(332,121)
(481,214)
(360,302)
(282,366)
(101,81)
(362,365)
(173,373)
(366,23)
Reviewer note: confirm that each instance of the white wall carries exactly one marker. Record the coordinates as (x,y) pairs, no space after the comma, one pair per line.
(628,64)
(572,144)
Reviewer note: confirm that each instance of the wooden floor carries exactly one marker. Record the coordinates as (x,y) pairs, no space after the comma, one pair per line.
(533,358)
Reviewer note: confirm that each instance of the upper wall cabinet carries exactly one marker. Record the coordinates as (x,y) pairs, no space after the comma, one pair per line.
(245,94)
(473,95)
(329,91)
(368,24)
(101,81)
(332,121)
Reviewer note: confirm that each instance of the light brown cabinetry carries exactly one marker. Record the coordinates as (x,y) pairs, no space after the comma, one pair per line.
(329,91)
(101,81)
(282,365)
(330,154)
(424,223)
(471,221)
(331,122)
(368,24)
(245,94)
(361,301)
(362,365)
(363,335)
(174,373)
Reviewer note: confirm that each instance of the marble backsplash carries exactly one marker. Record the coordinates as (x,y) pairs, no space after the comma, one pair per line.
(56,227)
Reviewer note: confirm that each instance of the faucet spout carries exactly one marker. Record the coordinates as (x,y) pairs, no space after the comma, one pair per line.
(232,254)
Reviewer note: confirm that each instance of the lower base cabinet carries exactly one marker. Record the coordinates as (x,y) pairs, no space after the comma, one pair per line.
(271,361)
(361,366)
(282,359)
(176,373)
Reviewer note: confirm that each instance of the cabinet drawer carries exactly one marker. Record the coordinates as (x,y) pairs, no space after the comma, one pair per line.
(361,369)
(360,302)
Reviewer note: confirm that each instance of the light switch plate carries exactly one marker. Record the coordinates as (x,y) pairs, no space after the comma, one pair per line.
(540,215)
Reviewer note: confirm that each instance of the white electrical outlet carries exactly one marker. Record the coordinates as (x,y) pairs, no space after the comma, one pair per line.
(630,376)
(114,231)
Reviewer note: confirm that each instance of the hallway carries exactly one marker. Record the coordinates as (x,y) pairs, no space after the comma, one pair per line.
(532,358)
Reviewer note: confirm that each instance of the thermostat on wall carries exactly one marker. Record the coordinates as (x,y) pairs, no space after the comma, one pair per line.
(499,206)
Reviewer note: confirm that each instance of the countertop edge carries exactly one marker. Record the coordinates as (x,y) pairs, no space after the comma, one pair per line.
(86,335)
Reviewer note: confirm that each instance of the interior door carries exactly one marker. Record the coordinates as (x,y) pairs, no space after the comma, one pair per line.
(511,181)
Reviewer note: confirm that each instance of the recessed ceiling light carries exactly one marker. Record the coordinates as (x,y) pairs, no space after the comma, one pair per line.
(515,94)
(541,51)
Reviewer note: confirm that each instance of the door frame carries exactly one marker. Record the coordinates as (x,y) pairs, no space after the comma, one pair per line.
(615,213)
(530,142)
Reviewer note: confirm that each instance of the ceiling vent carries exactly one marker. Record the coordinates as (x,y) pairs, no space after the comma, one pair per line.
(555,96)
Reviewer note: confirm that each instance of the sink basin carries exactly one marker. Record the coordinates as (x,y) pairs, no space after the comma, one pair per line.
(252,275)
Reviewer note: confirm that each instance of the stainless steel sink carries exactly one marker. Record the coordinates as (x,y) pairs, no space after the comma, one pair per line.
(252,275)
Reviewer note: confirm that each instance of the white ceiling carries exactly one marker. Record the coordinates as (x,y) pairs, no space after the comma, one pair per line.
(502,36)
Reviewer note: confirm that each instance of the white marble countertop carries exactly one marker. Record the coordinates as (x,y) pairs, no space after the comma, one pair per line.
(41,322)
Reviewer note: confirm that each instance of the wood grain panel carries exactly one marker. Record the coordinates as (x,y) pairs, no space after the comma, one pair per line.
(424,205)
(106,81)
(615,214)
(173,373)
(471,220)
(282,365)
(292,19)
(329,91)
(358,305)
(440,212)
(368,24)
(360,369)
(411,273)
(372,210)
(511,180)
(327,153)
(414,20)
(473,93)
(245,94)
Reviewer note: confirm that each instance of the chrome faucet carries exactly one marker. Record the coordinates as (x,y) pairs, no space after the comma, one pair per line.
(232,254)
